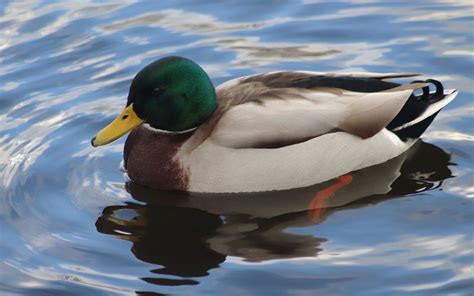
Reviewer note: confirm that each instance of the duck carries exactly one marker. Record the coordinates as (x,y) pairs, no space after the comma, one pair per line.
(268,131)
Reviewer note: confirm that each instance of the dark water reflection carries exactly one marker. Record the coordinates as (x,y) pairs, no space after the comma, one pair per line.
(69,225)
(188,234)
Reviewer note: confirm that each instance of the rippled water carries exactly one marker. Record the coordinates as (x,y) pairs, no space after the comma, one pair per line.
(70,225)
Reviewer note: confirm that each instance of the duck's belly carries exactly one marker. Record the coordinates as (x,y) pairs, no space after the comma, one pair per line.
(214,168)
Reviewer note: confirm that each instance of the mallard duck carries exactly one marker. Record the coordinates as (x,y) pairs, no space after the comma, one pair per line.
(264,132)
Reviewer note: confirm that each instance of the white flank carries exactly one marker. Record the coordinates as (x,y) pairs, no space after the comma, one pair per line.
(215,168)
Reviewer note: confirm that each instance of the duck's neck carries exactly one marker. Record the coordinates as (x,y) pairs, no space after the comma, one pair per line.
(165,132)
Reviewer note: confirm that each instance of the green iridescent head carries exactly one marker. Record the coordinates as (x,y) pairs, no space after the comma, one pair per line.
(172,94)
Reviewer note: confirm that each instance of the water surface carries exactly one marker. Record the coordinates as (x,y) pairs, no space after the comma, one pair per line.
(72,225)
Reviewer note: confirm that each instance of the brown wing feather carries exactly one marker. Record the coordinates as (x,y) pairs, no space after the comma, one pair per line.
(284,85)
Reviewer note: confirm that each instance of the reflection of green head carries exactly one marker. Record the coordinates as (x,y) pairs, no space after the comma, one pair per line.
(173,94)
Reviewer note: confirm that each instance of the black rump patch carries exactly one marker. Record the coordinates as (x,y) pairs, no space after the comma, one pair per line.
(415,106)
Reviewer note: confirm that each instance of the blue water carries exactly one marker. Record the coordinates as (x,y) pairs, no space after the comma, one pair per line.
(70,225)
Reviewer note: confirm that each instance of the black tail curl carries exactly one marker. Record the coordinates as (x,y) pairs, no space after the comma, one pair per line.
(414,107)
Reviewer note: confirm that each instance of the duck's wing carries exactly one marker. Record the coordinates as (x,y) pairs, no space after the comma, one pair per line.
(283,108)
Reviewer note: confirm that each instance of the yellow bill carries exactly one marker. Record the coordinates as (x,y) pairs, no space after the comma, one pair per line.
(125,122)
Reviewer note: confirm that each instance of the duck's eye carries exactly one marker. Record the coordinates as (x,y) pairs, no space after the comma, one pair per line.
(156,91)
(124,117)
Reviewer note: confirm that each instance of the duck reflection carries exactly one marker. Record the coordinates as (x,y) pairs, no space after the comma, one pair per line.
(188,234)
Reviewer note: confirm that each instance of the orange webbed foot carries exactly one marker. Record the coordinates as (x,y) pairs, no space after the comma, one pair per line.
(318,203)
